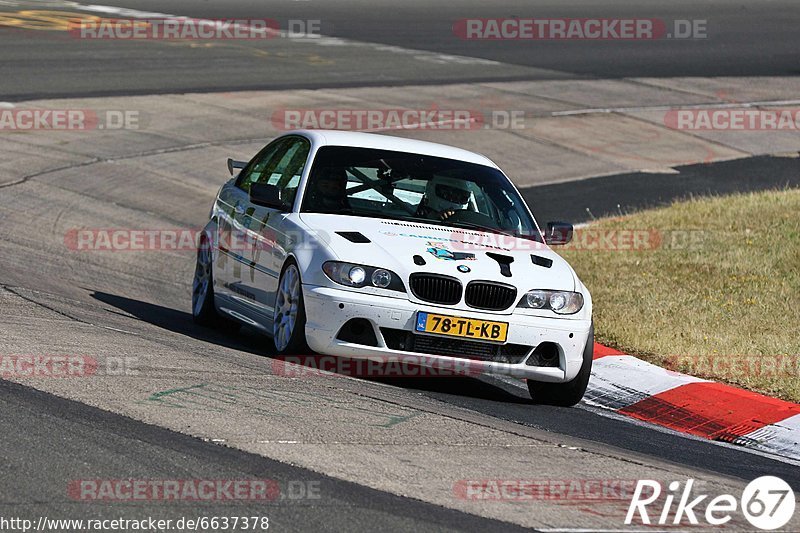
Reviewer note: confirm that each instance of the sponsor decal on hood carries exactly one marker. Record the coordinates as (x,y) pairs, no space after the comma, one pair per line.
(439,250)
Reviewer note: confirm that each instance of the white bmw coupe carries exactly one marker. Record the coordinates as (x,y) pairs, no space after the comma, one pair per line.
(361,245)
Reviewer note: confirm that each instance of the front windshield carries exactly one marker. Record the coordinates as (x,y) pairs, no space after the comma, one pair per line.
(404,186)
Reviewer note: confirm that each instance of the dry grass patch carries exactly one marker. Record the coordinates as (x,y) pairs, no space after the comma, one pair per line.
(718,296)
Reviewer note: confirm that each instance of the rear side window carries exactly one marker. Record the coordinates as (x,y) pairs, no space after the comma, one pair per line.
(286,173)
(260,165)
(280,163)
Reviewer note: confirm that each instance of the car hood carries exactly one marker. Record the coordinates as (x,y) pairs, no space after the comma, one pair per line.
(463,253)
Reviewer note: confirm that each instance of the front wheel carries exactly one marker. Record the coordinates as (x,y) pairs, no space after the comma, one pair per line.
(569,393)
(289,320)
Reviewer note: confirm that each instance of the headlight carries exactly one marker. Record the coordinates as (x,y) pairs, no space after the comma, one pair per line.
(536,299)
(362,276)
(561,302)
(557,301)
(357,275)
(381,278)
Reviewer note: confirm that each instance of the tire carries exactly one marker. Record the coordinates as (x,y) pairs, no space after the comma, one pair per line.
(289,319)
(569,393)
(203,311)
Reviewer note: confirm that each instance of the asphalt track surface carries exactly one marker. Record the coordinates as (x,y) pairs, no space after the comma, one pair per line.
(47,440)
(753,38)
(90,440)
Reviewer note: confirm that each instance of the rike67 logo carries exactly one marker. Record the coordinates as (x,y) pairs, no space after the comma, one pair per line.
(767,503)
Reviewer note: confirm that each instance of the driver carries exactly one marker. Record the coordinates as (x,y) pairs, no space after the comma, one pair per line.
(443,197)
(327,192)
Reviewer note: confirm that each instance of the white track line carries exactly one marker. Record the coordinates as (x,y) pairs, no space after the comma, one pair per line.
(710,105)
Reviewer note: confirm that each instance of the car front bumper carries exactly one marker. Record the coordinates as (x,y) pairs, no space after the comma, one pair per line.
(329,309)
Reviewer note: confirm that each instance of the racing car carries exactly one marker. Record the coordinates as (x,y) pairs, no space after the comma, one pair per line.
(362,245)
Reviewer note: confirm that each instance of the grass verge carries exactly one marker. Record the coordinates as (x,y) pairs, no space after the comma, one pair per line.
(709,287)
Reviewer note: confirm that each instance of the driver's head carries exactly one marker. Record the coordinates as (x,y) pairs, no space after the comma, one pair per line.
(329,186)
(444,194)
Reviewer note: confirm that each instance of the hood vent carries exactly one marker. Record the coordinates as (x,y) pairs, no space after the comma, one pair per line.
(504,261)
(353,236)
(541,261)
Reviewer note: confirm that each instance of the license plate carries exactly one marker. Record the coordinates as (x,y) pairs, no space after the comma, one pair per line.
(469,328)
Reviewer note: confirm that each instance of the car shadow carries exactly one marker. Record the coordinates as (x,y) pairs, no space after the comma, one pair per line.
(180,322)
(250,341)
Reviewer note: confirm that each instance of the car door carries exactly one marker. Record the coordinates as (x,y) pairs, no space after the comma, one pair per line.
(266,225)
(232,270)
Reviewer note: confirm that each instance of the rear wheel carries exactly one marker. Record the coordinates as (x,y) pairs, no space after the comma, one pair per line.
(203,310)
(289,320)
(569,393)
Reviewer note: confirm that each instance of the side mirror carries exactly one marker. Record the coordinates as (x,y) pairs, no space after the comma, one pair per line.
(267,196)
(558,233)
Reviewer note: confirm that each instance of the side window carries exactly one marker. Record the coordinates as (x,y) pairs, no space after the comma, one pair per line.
(280,165)
(261,165)
(286,173)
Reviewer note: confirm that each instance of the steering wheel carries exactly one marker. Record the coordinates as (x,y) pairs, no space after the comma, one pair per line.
(472,217)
